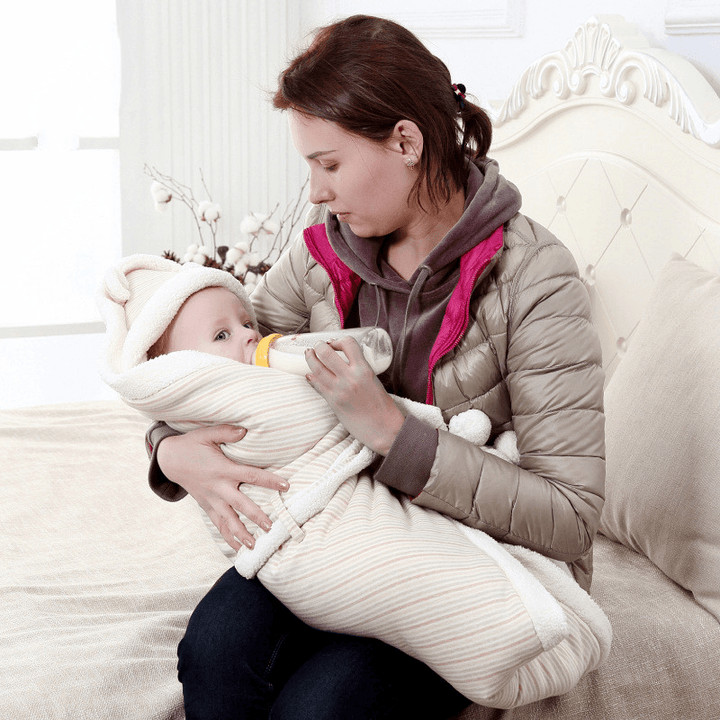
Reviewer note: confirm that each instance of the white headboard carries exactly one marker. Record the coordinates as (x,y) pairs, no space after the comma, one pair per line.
(615,147)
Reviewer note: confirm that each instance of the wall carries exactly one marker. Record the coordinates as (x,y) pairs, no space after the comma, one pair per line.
(195,82)
(196,98)
(488,43)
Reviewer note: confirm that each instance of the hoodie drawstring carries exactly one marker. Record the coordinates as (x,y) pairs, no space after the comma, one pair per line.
(377,303)
(401,352)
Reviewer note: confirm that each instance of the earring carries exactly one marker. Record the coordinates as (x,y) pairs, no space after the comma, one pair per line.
(410,163)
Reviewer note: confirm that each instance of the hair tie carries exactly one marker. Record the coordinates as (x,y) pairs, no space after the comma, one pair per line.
(459,90)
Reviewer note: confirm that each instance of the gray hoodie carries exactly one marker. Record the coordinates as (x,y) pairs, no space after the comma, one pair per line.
(412,311)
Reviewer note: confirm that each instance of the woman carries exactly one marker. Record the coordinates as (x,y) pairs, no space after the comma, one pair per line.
(420,235)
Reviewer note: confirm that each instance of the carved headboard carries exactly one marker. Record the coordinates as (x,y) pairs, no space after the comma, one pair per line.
(615,147)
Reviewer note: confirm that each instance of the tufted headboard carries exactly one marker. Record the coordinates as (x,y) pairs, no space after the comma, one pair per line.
(615,147)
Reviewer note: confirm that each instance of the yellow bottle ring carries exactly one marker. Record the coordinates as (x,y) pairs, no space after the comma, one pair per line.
(263,349)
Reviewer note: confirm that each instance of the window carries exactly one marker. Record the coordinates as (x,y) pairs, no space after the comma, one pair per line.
(59,194)
(59,167)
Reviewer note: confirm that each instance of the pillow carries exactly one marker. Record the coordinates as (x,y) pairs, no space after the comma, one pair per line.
(663,433)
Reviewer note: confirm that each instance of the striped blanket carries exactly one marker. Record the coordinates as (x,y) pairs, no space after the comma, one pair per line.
(504,625)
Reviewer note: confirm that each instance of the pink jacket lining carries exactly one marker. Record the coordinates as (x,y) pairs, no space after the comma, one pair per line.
(457,314)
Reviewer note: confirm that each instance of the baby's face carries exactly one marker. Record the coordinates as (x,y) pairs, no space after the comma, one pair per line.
(214,321)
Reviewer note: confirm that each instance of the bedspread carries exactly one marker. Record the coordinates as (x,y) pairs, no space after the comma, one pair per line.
(93,596)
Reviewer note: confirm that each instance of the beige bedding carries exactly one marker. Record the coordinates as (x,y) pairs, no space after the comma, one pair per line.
(664,661)
(100,577)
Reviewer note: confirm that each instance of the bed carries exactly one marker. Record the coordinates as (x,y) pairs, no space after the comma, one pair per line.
(616,148)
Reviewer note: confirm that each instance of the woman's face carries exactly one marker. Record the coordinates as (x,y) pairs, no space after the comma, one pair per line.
(365,184)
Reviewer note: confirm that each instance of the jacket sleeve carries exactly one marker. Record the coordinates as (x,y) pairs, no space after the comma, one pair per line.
(552,371)
(283,298)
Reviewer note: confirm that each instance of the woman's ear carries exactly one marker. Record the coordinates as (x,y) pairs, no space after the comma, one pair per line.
(408,140)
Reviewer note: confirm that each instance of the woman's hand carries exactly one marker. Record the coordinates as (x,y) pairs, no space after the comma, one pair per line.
(354,393)
(195,462)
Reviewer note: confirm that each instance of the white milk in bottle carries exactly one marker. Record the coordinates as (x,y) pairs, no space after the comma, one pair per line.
(287,352)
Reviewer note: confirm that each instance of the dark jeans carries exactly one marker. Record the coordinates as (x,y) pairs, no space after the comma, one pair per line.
(245,655)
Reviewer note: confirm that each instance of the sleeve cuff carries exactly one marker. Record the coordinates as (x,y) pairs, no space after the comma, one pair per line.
(408,464)
(160,485)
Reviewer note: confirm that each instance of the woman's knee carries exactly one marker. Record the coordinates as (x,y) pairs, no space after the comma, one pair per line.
(364,679)
(240,646)
(237,619)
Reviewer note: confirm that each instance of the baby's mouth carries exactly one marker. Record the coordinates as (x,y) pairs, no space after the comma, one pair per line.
(250,354)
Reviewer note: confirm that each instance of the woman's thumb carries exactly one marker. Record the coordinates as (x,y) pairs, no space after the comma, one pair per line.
(219,434)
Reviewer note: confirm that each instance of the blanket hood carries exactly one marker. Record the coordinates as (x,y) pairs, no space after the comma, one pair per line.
(139,297)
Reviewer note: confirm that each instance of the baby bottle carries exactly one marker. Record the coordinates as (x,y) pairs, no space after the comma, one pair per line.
(287,352)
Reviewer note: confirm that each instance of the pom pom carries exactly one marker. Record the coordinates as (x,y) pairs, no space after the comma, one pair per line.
(473,425)
(506,445)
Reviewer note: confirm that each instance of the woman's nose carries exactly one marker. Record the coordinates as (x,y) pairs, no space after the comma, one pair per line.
(319,191)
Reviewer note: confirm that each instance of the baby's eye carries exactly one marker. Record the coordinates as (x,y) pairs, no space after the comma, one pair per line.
(249,325)
(222,335)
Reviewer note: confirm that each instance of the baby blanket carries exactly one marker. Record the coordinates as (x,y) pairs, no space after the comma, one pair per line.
(503,624)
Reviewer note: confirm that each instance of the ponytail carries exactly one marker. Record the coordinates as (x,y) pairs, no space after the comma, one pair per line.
(476,131)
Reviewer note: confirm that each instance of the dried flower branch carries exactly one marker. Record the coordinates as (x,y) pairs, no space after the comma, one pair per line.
(244,259)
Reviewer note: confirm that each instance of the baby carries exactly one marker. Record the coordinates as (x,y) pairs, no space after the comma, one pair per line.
(344,553)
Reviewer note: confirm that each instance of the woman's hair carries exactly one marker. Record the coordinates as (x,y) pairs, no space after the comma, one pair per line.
(367,73)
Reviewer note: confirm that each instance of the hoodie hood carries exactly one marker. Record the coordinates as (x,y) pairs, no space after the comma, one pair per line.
(490,201)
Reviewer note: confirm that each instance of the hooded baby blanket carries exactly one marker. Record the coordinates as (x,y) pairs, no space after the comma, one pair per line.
(505,625)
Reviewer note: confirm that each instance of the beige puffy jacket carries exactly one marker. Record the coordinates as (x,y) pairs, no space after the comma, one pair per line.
(530,359)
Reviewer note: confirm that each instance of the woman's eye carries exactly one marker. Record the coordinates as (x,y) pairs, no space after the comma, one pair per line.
(330,168)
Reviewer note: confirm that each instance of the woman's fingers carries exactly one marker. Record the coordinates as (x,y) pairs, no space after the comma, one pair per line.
(356,396)
(232,529)
(234,533)
(331,371)
(196,462)
(234,472)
